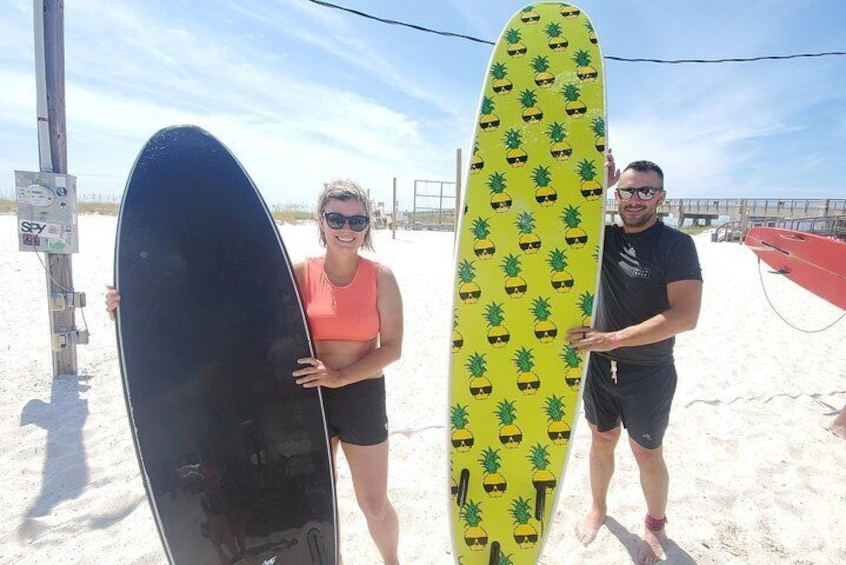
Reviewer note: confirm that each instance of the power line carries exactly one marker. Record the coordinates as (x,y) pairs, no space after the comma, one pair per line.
(728,60)
(609,57)
(403,24)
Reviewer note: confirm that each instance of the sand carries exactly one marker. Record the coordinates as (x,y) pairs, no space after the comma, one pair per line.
(756,476)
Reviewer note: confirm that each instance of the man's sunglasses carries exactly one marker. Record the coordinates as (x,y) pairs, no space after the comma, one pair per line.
(336,221)
(643,193)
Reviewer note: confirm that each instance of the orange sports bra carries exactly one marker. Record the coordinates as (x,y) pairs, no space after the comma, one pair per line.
(347,313)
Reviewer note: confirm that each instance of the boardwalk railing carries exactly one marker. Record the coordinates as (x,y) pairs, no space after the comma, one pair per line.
(737,208)
(782,208)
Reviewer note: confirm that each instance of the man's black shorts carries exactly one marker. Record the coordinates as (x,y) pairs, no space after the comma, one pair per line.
(357,413)
(640,399)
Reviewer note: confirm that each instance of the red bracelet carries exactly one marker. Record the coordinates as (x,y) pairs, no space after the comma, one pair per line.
(614,339)
(654,524)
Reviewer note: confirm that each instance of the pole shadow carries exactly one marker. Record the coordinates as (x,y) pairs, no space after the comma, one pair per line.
(65,473)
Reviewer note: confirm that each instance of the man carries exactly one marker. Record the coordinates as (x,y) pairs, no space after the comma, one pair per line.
(650,290)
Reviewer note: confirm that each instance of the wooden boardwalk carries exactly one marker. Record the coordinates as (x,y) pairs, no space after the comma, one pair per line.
(736,209)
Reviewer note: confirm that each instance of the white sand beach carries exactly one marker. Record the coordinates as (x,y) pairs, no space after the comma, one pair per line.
(756,477)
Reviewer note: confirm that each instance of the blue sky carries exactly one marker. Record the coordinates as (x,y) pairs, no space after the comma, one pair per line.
(303,94)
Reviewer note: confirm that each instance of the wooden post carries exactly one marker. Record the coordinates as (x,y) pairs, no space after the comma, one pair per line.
(457,194)
(394,210)
(52,145)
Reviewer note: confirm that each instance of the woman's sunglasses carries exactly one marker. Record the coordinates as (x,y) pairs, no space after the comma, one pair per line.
(336,221)
(643,193)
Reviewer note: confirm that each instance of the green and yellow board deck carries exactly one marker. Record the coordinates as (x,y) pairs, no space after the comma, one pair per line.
(527,265)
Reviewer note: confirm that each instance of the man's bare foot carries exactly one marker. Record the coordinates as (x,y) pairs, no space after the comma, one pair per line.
(651,548)
(587,528)
(838,426)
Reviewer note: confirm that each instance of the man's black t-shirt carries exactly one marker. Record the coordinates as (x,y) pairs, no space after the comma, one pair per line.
(636,268)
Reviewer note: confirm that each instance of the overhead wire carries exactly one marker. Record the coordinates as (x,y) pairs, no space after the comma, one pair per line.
(609,57)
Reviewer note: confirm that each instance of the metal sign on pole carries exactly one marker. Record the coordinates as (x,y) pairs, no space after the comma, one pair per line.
(47,199)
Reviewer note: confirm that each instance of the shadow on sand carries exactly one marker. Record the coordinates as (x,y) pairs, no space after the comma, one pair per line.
(65,473)
(674,554)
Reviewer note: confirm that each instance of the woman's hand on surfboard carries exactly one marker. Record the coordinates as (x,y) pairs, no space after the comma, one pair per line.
(587,339)
(317,374)
(112,300)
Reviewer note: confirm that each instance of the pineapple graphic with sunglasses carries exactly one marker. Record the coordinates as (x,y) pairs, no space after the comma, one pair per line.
(462,438)
(484,248)
(558,148)
(575,236)
(510,435)
(561,280)
(545,195)
(515,49)
(529,242)
(501,84)
(500,200)
(524,533)
(591,189)
(498,335)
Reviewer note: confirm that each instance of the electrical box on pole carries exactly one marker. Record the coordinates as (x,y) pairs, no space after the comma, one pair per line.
(46,212)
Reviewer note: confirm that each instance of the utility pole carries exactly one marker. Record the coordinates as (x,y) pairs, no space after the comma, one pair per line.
(47,200)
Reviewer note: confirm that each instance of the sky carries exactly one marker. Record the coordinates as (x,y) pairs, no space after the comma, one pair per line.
(303,94)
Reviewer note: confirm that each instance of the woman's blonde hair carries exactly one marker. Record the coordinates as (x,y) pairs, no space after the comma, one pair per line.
(344,190)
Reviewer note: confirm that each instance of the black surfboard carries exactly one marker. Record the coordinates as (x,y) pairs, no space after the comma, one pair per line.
(234,454)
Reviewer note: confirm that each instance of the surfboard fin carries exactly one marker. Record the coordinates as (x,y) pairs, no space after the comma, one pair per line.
(316,548)
(494,558)
(781,271)
(540,502)
(463,484)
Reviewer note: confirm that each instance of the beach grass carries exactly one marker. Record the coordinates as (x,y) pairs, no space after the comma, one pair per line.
(284,213)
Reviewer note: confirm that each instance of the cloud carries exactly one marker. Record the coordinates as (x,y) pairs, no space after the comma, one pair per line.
(302,93)
(291,133)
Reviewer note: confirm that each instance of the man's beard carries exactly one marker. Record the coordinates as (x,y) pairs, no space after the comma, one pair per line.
(638,222)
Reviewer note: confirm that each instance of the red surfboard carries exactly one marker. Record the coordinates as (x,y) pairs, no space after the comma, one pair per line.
(815,263)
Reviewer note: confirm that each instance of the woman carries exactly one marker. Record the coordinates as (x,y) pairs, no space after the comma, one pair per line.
(354,311)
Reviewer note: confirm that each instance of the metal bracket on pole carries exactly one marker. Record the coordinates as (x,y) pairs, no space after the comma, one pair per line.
(62,300)
(59,341)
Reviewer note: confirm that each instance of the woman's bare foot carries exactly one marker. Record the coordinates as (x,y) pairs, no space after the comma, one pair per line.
(587,528)
(651,549)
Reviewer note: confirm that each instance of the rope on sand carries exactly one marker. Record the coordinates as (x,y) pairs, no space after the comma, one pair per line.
(785,320)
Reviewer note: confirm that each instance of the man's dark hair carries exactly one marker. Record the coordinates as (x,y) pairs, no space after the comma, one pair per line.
(645,167)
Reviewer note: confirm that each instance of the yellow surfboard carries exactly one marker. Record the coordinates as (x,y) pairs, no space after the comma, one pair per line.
(527,265)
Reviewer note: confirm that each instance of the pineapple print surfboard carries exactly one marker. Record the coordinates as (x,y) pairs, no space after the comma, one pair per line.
(526,270)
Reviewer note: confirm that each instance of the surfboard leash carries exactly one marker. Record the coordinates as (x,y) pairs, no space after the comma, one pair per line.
(785,320)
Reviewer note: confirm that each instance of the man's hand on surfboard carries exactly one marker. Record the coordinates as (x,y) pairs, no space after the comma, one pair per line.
(611,171)
(587,339)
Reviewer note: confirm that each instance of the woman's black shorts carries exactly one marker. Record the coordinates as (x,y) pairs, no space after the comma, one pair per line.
(357,413)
